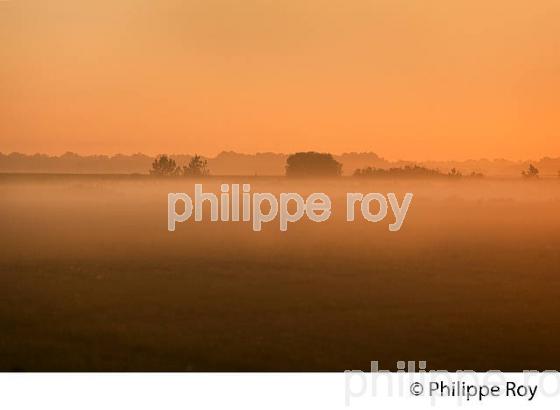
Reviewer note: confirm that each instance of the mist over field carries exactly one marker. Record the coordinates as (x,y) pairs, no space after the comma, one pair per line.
(90,278)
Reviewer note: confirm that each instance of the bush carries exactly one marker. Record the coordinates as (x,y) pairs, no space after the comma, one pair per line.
(412,171)
(408,171)
(531,172)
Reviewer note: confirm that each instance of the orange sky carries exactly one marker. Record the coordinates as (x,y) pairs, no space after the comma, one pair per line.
(410,79)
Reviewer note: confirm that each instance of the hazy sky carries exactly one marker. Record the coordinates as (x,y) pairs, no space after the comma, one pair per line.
(415,79)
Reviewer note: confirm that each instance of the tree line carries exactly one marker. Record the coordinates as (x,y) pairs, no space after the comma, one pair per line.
(164,165)
(315,164)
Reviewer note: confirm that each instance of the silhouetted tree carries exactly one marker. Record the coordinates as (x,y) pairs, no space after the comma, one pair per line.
(310,164)
(198,167)
(164,166)
(531,172)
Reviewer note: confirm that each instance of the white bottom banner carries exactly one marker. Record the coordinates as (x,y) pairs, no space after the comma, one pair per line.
(349,390)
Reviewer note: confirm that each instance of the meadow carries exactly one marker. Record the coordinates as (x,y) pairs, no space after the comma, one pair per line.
(91,279)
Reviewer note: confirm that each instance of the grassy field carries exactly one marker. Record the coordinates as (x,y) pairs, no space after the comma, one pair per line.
(91,280)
